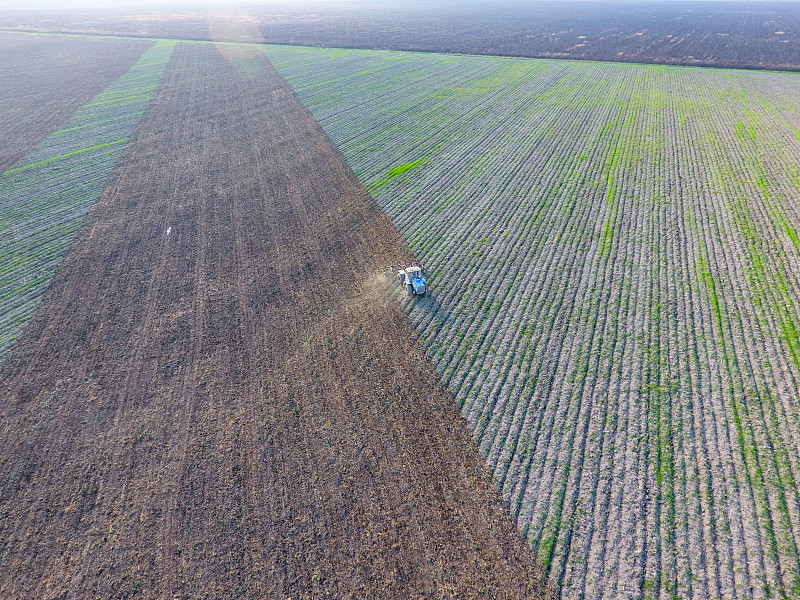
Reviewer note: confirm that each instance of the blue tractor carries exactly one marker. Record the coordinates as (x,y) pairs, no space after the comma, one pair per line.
(412,277)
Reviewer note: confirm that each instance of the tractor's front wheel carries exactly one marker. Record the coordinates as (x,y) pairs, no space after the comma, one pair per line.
(410,289)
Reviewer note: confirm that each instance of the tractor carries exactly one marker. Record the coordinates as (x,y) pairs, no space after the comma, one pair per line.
(412,277)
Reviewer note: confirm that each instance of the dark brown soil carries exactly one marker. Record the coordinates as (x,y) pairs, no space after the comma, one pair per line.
(219,397)
(44,79)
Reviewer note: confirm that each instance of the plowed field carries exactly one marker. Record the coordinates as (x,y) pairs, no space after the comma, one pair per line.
(60,74)
(217,399)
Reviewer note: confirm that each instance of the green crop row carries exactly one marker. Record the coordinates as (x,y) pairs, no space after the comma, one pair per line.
(613,305)
(44,200)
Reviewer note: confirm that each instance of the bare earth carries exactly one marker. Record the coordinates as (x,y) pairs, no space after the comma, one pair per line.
(218,398)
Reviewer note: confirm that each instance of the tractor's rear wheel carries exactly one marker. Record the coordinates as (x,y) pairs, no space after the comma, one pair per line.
(410,289)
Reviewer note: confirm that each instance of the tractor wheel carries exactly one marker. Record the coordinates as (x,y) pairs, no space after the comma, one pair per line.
(410,289)
(400,277)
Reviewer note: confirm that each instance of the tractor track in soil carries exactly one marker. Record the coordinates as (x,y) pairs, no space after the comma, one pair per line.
(238,408)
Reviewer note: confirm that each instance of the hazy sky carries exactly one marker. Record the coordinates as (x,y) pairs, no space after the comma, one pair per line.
(38,4)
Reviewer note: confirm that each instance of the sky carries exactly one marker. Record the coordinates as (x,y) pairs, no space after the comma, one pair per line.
(63,4)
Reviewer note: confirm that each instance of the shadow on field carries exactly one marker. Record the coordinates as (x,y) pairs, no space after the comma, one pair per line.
(429,305)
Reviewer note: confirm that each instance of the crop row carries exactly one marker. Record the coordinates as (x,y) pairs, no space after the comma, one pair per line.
(44,198)
(615,297)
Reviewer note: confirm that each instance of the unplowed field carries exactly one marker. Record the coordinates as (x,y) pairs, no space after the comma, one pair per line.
(217,399)
(60,75)
(616,297)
